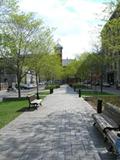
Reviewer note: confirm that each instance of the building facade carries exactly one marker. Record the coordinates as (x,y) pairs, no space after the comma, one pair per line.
(110,37)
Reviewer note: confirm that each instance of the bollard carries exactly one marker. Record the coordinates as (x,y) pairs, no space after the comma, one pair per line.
(51,90)
(79,92)
(99,106)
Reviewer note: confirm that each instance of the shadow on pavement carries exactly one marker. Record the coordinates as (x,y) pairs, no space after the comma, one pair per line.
(64,135)
(27,109)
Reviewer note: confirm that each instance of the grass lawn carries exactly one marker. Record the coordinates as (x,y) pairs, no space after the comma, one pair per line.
(10,110)
(94,93)
(44,94)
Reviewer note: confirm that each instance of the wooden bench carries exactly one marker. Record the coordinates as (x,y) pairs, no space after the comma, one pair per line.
(108,123)
(34,102)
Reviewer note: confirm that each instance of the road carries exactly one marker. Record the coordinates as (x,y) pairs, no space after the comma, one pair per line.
(24,93)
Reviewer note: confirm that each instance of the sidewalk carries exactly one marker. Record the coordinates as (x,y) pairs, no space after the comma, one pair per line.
(62,129)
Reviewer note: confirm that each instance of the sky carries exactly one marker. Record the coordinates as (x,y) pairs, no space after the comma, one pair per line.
(77,23)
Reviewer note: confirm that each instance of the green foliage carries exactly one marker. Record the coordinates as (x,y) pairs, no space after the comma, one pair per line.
(86,65)
(50,67)
(110,34)
(91,65)
(71,69)
(78,85)
(22,35)
(52,86)
(7,7)
(94,93)
(43,94)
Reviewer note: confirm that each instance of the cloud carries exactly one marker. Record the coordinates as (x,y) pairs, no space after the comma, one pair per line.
(75,21)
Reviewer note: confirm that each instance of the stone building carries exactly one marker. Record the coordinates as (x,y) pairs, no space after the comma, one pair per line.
(110,46)
(8,78)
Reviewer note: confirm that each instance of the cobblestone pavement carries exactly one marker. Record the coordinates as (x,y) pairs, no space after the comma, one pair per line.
(62,129)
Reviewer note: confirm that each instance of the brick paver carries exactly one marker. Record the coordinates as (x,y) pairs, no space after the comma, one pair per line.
(62,129)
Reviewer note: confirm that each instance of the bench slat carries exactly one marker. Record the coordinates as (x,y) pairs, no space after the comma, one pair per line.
(108,124)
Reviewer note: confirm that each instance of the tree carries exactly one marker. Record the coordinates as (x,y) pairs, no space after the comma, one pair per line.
(92,67)
(6,8)
(70,70)
(51,67)
(15,41)
(110,32)
(110,37)
(82,71)
(40,48)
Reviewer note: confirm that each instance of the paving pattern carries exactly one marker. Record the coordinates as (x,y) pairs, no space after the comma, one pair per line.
(62,129)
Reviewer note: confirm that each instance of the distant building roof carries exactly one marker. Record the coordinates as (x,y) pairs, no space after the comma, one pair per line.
(65,62)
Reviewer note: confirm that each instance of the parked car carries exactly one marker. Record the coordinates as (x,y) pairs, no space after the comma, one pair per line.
(97,83)
(26,86)
(105,84)
(42,83)
(87,82)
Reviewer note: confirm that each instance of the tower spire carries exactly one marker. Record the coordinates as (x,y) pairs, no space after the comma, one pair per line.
(58,49)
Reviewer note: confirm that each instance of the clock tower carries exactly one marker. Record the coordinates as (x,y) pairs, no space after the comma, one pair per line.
(58,50)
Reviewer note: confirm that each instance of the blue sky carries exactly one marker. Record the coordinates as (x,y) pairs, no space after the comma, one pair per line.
(77,22)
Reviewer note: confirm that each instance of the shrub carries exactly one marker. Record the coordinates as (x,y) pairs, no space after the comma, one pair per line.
(50,86)
(78,85)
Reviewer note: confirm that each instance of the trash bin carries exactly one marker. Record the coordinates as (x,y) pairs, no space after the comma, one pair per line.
(99,106)
(79,92)
(51,90)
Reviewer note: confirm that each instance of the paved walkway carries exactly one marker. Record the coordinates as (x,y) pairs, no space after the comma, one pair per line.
(59,130)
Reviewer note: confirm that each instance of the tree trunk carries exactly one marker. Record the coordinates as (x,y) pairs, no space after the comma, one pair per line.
(37,86)
(101,83)
(0,80)
(91,80)
(18,74)
(18,83)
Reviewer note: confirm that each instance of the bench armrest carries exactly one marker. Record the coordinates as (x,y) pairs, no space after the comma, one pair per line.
(110,129)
